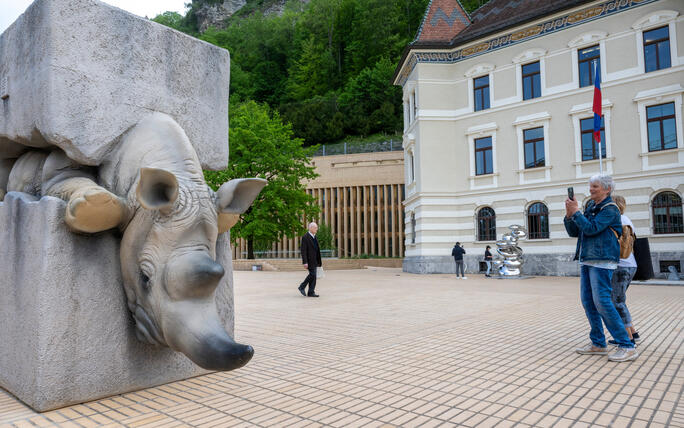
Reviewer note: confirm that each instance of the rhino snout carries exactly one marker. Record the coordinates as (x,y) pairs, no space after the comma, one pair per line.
(195,330)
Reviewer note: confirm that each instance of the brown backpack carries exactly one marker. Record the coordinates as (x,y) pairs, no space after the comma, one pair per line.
(626,240)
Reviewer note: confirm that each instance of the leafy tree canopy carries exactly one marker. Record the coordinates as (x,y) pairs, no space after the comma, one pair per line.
(261,145)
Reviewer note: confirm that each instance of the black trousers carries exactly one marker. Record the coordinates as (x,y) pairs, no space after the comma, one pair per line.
(311,280)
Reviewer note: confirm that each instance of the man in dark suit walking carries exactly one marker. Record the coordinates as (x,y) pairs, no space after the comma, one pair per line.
(311,258)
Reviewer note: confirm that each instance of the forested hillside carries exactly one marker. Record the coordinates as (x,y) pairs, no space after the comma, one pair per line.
(325,65)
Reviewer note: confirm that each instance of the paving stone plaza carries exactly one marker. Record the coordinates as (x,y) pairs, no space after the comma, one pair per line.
(381,347)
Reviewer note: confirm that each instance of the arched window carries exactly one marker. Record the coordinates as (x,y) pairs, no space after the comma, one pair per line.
(486,224)
(667,213)
(538,221)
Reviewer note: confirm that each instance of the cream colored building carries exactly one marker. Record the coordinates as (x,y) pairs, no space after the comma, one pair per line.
(478,143)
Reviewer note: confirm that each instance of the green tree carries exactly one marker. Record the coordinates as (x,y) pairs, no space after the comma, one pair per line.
(369,103)
(261,145)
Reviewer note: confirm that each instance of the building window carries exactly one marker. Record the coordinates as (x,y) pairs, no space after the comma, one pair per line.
(667,213)
(412,167)
(531,81)
(538,221)
(534,147)
(483,156)
(590,149)
(486,225)
(657,49)
(413,228)
(481,88)
(662,131)
(589,61)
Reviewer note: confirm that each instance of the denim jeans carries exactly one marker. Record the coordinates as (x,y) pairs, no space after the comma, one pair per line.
(595,290)
(489,266)
(620,282)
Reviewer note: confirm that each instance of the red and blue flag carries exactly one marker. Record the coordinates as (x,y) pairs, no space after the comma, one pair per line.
(597,104)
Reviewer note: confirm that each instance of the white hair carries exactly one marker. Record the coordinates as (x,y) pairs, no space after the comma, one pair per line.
(604,180)
(312,224)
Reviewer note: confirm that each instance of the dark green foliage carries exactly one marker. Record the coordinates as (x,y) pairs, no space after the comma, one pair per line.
(325,65)
(261,145)
(325,237)
(175,21)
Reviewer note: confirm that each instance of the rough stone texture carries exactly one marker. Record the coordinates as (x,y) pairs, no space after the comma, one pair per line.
(67,335)
(535,264)
(215,15)
(80,73)
(656,257)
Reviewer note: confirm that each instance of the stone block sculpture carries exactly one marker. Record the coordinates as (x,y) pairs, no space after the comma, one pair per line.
(106,122)
(512,254)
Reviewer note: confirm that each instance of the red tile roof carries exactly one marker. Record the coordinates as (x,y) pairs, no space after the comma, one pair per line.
(443,20)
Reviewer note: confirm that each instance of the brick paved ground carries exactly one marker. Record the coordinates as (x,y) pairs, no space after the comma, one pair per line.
(385,348)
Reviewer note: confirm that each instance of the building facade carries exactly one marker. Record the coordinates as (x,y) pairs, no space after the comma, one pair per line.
(360,196)
(498,124)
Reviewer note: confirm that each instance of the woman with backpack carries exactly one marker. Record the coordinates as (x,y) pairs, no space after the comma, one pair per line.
(625,271)
(598,252)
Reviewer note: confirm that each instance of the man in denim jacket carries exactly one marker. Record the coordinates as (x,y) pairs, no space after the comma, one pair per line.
(598,252)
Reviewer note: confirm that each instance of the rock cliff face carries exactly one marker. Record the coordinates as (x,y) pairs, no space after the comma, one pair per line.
(216,14)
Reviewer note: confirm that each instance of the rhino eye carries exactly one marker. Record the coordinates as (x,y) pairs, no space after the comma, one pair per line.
(145,281)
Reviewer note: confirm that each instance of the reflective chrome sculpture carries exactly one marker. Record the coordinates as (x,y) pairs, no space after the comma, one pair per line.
(508,248)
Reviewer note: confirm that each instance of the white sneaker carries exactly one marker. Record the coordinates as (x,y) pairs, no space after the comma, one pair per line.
(624,354)
(590,349)
(465,277)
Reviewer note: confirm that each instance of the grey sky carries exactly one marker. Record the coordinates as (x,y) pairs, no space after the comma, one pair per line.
(11,9)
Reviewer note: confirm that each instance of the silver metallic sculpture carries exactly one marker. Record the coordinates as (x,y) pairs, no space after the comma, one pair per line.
(512,254)
(151,187)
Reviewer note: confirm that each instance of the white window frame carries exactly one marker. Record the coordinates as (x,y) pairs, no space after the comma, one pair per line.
(584,111)
(653,20)
(583,41)
(410,163)
(524,58)
(486,181)
(410,110)
(477,223)
(651,223)
(663,95)
(521,123)
(475,72)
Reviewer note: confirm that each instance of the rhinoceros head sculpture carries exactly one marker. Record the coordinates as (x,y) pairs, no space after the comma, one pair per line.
(151,187)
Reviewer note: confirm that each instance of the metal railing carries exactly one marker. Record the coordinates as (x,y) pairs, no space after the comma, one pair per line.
(285,254)
(364,147)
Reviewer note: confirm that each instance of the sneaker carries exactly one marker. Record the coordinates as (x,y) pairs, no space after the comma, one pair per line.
(465,277)
(624,354)
(614,342)
(635,337)
(590,349)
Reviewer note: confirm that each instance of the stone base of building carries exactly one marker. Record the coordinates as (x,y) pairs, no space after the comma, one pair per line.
(66,333)
(535,264)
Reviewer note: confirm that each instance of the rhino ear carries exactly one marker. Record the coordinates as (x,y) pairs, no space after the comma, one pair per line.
(157,189)
(234,197)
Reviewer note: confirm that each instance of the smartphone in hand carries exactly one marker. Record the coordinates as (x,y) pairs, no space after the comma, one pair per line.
(571,193)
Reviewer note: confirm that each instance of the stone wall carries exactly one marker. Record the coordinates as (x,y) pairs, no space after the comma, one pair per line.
(67,335)
(80,73)
(535,264)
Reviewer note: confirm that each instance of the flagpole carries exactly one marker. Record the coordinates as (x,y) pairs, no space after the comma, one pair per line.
(597,113)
